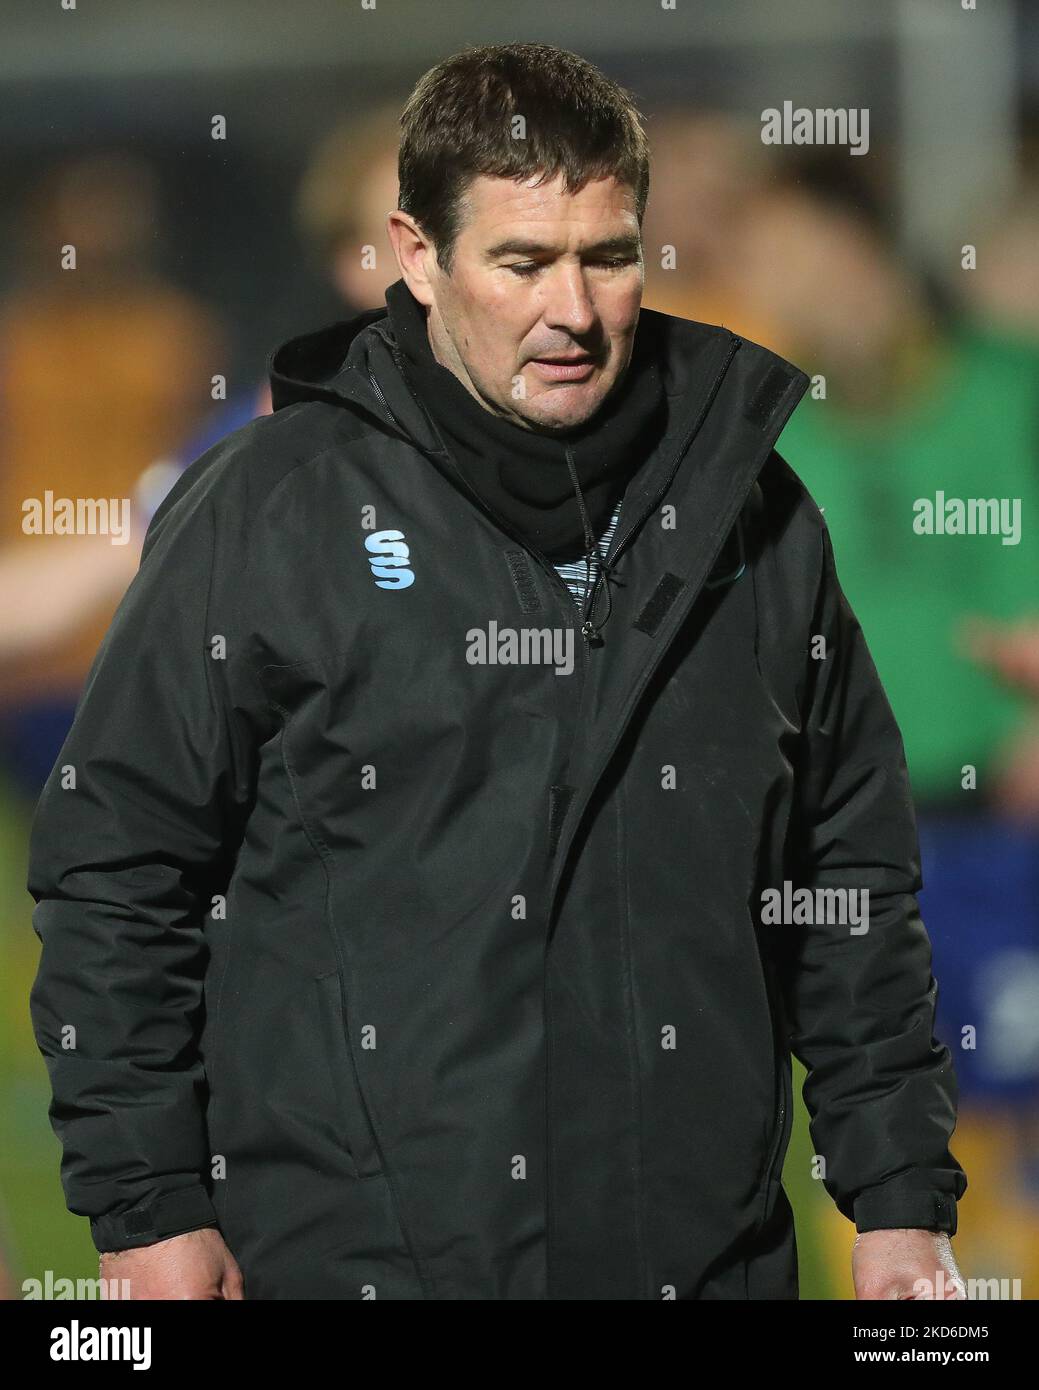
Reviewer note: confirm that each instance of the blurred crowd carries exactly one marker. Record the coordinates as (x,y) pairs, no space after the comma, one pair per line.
(924,383)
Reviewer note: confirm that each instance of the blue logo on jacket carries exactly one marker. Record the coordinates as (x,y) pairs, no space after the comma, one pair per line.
(389,559)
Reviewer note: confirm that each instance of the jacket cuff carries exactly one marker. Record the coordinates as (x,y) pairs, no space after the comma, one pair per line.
(907,1200)
(169,1214)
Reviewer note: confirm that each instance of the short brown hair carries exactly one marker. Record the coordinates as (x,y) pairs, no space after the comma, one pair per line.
(457,124)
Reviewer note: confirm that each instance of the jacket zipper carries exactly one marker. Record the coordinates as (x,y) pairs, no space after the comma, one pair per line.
(556,579)
(782,1057)
(386,405)
(577,623)
(777,1142)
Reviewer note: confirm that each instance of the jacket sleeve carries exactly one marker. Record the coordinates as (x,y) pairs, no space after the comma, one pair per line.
(132,834)
(880,1089)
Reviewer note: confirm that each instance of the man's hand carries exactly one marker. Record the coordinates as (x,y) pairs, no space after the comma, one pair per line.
(904,1263)
(195,1265)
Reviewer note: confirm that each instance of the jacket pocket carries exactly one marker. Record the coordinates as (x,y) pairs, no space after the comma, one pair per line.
(356,1131)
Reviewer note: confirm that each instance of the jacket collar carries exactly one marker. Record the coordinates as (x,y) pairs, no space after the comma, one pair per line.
(355,364)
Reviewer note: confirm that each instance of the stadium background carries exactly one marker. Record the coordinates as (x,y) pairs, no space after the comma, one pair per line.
(195,255)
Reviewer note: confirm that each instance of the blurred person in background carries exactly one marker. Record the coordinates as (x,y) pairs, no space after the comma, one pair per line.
(920,400)
(348,187)
(102,363)
(913,406)
(1001,296)
(999,299)
(709,165)
(59,593)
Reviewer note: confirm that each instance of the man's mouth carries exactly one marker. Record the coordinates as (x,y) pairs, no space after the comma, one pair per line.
(572,367)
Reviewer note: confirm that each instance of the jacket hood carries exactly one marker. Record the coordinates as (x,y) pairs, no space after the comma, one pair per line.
(312,366)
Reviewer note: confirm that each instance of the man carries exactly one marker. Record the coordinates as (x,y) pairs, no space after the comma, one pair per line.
(404,896)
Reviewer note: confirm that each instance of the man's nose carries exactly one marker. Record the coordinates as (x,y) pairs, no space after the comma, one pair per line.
(568,304)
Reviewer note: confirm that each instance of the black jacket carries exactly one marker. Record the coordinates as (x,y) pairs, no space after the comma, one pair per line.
(432,976)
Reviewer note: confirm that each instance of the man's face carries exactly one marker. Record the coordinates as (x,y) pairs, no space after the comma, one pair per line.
(537,274)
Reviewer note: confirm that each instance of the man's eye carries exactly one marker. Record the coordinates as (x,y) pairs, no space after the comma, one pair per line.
(525,269)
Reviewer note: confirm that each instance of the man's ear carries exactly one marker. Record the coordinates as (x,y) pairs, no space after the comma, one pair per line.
(415,254)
